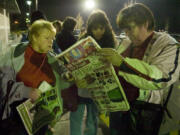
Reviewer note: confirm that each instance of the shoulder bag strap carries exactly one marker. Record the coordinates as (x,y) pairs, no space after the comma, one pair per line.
(166,101)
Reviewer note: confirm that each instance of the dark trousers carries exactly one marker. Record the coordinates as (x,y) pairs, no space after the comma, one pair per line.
(121,123)
(142,119)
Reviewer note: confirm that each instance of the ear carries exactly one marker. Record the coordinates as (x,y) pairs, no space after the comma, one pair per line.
(34,38)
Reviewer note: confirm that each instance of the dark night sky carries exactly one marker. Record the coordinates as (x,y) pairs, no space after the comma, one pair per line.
(164,10)
(59,9)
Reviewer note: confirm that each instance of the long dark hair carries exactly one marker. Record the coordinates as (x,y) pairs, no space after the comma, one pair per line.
(69,24)
(99,17)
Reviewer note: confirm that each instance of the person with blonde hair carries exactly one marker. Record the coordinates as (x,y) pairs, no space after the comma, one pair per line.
(58,26)
(28,65)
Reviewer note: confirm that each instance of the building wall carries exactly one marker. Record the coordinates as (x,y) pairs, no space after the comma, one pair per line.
(4,29)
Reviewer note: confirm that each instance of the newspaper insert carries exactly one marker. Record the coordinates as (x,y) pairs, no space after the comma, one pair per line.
(47,109)
(106,91)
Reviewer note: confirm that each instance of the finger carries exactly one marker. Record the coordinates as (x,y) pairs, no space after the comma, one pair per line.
(70,75)
(70,78)
(32,100)
(39,92)
(103,59)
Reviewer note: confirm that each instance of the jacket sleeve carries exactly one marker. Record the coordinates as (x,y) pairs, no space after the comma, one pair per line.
(8,73)
(18,89)
(161,71)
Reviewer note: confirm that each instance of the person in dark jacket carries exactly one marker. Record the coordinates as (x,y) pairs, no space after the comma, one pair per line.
(66,38)
(58,26)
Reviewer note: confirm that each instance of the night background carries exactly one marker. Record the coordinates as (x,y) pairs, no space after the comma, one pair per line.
(166,12)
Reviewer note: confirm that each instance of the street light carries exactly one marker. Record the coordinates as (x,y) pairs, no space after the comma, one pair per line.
(29,2)
(27,20)
(89,4)
(36,4)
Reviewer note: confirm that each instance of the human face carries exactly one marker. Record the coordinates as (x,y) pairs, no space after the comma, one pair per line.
(98,31)
(43,42)
(137,34)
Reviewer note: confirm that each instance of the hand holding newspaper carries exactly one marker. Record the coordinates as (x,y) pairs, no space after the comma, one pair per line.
(82,60)
(45,110)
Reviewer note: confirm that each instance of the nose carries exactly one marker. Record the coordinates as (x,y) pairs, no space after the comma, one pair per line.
(98,30)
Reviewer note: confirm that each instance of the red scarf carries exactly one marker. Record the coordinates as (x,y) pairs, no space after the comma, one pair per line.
(35,69)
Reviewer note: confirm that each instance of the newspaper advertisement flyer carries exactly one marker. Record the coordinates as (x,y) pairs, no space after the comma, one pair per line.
(47,109)
(106,91)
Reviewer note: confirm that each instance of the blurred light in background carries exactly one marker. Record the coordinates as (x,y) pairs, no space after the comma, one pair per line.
(27,14)
(89,4)
(16,22)
(27,20)
(29,2)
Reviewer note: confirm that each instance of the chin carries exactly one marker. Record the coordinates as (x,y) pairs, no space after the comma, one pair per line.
(45,51)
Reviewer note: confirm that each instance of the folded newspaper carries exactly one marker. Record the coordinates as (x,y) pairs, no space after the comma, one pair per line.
(46,110)
(106,91)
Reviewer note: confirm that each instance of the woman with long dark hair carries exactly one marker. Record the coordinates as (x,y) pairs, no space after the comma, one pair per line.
(98,27)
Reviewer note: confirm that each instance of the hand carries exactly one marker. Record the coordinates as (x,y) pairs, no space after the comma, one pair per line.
(68,76)
(126,41)
(34,94)
(84,82)
(52,130)
(111,56)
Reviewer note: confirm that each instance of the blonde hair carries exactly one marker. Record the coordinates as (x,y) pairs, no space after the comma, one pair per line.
(39,25)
